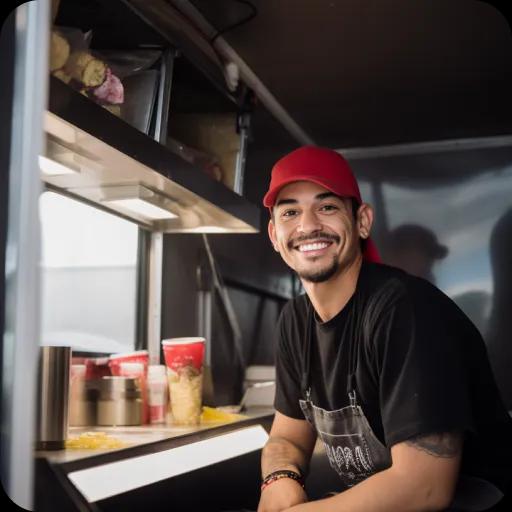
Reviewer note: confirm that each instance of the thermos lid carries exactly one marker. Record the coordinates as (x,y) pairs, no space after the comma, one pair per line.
(112,387)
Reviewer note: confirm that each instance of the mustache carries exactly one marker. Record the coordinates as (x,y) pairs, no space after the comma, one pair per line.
(320,235)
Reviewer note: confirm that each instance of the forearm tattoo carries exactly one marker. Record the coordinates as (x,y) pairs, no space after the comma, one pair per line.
(280,453)
(443,444)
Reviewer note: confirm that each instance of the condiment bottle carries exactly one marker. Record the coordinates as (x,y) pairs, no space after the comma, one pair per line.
(157,393)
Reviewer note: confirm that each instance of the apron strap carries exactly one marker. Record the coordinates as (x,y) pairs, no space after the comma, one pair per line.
(353,350)
(306,353)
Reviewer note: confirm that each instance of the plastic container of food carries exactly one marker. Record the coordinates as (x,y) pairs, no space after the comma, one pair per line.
(184,362)
(79,407)
(134,365)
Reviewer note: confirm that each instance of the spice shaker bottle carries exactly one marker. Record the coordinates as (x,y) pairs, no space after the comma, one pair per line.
(157,393)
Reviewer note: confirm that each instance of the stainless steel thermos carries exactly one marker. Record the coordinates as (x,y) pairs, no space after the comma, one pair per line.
(119,401)
(53,395)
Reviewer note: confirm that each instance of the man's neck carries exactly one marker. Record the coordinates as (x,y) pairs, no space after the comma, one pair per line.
(330,297)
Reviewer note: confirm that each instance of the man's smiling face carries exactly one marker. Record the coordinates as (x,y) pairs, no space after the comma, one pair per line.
(315,231)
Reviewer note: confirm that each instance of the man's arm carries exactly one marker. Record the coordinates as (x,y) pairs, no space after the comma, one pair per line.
(422,477)
(290,446)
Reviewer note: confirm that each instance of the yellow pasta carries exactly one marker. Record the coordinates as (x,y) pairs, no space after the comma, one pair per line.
(94,440)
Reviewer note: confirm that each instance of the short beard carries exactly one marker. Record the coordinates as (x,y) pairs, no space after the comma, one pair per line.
(320,276)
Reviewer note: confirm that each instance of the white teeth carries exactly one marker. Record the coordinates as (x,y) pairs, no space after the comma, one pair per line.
(312,247)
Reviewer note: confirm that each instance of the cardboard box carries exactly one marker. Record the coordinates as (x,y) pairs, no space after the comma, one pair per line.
(213,134)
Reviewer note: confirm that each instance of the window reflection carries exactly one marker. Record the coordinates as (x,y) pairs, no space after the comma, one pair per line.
(459,207)
(461,218)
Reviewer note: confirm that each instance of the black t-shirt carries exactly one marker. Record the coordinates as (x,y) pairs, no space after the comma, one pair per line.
(420,367)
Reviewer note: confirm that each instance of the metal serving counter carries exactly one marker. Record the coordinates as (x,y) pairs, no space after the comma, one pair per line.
(213,466)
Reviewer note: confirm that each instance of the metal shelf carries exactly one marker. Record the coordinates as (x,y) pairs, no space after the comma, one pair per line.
(111,153)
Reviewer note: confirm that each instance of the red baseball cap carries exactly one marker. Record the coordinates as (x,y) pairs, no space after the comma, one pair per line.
(323,166)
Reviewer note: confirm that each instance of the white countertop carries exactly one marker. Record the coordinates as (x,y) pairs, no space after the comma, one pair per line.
(139,435)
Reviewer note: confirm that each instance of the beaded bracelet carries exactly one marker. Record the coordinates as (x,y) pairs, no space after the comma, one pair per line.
(283,473)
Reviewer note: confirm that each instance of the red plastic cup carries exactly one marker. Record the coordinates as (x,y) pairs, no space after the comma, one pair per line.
(184,361)
(139,356)
(182,352)
(96,368)
(120,366)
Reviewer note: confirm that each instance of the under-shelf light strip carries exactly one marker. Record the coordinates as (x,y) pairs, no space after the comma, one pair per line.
(111,479)
(144,208)
(51,167)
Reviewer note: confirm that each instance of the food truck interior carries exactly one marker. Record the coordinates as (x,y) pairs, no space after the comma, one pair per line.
(416,96)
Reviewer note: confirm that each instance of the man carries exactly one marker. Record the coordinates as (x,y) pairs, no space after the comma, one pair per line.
(415,249)
(379,365)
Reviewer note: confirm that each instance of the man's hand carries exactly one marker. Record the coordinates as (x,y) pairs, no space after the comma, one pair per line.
(290,446)
(280,495)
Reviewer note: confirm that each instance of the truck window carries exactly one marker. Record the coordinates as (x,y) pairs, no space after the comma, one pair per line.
(89,265)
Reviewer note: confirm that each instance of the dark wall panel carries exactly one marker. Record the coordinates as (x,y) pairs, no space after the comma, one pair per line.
(259,282)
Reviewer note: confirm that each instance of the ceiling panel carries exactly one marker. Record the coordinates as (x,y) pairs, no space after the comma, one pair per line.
(371,72)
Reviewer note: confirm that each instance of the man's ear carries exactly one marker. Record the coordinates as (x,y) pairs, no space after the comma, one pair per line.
(364,220)
(272,234)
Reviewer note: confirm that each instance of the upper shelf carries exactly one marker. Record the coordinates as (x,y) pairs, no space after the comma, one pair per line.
(114,162)
(133,24)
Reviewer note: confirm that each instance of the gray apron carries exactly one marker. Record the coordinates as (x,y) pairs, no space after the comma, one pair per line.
(355,452)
